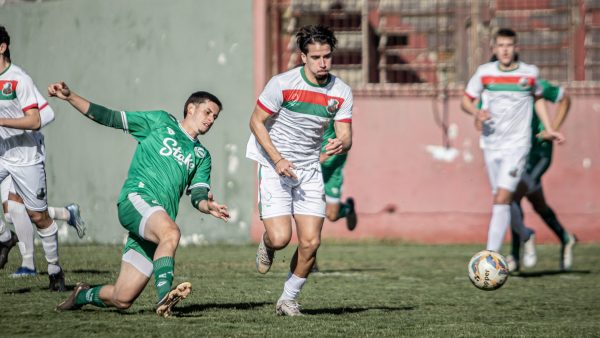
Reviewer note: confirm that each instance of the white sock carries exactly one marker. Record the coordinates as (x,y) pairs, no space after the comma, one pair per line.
(292,287)
(50,244)
(59,213)
(24,229)
(8,217)
(498,226)
(5,235)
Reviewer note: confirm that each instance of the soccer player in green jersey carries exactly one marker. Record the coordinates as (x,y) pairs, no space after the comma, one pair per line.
(538,162)
(169,160)
(332,167)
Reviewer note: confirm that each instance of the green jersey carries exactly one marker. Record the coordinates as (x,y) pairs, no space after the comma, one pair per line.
(167,160)
(329,133)
(550,93)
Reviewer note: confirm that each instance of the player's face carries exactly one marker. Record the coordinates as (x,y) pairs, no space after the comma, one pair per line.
(504,49)
(204,115)
(318,60)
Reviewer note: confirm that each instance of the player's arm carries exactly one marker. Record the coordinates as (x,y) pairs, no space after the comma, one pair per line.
(203,200)
(343,140)
(542,113)
(94,112)
(257,126)
(468,105)
(563,110)
(30,121)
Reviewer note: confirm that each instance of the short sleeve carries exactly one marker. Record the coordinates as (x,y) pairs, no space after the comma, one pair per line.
(475,86)
(201,177)
(140,123)
(26,94)
(345,112)
(550,92)
(538,89)
(271,98)
(46,112)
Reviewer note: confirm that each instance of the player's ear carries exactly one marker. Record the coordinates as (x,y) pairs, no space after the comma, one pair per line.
(189,109)
(2,47)
(303,57)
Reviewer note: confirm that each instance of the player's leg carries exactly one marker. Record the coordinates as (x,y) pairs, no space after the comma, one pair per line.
(17,213)
(71,214)
(567,240)
(275,208)
(8,239)
(333,178)
(525,235)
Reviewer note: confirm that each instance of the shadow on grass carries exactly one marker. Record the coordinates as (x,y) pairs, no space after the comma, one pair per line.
(21,290)
(534,274)
(346,310)
(326,271)
(91,271)
(194,310)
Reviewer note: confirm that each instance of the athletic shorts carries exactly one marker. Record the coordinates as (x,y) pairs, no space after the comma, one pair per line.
(29,182)
(7,187)
(505,167)
(279,196)
(133,215)
(538,161)
(333,177)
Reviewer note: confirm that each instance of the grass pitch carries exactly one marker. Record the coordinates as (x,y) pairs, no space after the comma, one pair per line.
(364,289)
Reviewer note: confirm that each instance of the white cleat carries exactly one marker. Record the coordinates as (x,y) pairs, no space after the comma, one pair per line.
(566,253)
(75,219)
(286,307)
(529,254)
(513,264)
(264,257)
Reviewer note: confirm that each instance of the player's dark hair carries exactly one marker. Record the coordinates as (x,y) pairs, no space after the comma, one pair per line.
(5,38)
(494,58)
(314,34)
(201,97)
(506,33)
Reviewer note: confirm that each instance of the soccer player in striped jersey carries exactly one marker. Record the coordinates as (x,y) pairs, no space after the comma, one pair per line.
(538,162)
(508,90)
(169,160)
(287,127)
(22,155)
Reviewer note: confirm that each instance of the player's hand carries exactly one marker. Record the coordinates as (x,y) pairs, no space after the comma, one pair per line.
(217,210)
(283,167)
(323,157)
(481,116)
(334,146)
(60,90)
(551,136)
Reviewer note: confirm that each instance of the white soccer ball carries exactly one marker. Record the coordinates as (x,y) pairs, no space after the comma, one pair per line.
(488,270)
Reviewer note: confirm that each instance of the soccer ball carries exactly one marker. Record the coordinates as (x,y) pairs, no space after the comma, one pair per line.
(488,270)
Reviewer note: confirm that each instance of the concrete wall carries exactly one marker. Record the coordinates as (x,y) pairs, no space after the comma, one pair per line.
(139,55)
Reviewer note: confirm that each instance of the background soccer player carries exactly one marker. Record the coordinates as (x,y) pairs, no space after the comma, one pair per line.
(508,90)
(169,160)
(287,128)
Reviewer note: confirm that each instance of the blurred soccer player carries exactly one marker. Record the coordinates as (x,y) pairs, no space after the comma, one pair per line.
(508,90)
(169,160)
(22,157)
(538,162)
(287,127)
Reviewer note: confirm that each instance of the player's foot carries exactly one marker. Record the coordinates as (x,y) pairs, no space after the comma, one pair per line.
(315,267)
(5,248)
(164,308)
(351,219)
(286,307)
(69,303)
(566,253)
(57,281)
(264,257)
(529,254)
(513,264)
(75,219)
(23,272)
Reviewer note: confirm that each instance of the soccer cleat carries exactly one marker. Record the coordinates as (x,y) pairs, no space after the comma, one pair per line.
(57,281)
(23,272)
(75,219)
(69,303)
(529,254)
(351,219)
(264,257)
(5,248)
(566,253)
(315,267)
(164,307)
(513,264)
(287,307)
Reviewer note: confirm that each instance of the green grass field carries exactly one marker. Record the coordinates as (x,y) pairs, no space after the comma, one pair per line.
(365,289)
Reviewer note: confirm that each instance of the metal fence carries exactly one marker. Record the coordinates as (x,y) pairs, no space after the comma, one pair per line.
(419,46)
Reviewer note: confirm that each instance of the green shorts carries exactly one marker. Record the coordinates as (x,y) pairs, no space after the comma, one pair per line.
(538,162)
(333,177)
(133,214)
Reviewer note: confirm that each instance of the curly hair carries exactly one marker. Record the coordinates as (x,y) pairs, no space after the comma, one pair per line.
(314,34)
(5,38)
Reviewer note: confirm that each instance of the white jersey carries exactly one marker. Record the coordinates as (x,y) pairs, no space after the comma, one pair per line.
(509,98)
(17,95)
(300,113)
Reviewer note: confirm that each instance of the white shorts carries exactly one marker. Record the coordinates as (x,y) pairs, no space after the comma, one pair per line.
(505,167)
(7,187)
(29,182)
(279,196)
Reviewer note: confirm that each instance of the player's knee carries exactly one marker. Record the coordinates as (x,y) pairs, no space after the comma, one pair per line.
(279,241)
(310,245)
(332,216)
(122,304)
(171,236)
(41,219)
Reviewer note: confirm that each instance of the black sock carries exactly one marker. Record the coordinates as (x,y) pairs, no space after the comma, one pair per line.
(550,218)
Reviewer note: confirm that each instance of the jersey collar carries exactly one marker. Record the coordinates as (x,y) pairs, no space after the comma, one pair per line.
(507,71)
(312,83)
(186,133)
(6,70)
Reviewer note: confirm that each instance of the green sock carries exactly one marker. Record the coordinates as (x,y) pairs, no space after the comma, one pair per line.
(344,210)
(91,296)
(163,275)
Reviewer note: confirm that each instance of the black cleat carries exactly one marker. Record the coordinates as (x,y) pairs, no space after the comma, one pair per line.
(351,219)
(5,248)
(57,281)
